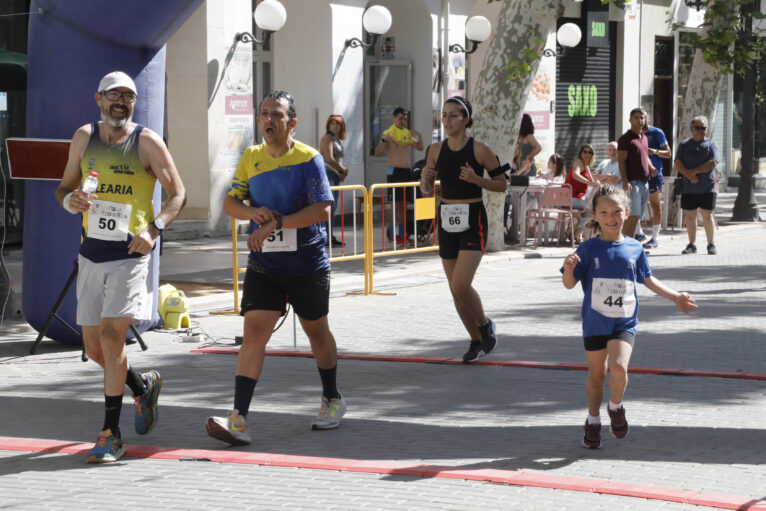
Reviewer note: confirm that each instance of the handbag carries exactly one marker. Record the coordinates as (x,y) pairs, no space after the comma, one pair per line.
(675,192)
(519,180)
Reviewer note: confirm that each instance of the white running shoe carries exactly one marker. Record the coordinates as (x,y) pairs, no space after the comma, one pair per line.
(330,413)
(231,429)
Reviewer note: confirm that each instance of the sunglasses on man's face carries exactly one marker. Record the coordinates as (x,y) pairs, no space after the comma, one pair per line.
(115,95)
(699,128)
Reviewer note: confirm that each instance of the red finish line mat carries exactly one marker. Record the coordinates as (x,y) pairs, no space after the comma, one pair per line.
(502,363)
(509,477)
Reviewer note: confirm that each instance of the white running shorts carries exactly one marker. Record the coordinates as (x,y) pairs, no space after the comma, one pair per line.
(113,289)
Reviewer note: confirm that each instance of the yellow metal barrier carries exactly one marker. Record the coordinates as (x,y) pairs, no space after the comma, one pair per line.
(363,255)
(237,270)
(424,209)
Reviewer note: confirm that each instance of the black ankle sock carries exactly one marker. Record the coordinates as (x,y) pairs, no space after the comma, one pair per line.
(329,386)
(243,393)
(135,383)
(112,408)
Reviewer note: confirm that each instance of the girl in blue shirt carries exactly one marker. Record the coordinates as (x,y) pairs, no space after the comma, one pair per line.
(609,266)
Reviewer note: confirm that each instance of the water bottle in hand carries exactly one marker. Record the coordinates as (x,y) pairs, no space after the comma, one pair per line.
(91,183)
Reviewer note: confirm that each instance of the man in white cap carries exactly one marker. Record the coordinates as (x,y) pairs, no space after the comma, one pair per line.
(119,230)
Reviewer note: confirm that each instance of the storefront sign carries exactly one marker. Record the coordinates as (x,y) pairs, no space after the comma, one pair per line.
(597,29)
(583,101)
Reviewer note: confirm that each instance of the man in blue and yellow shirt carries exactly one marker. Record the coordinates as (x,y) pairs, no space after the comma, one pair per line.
(288,200)
(119,230)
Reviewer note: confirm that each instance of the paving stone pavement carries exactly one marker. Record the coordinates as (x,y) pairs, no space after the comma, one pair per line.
(693,433)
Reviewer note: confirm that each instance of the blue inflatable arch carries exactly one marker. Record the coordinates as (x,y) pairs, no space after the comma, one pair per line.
(71,46)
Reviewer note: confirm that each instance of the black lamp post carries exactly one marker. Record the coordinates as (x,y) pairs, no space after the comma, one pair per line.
(477,30)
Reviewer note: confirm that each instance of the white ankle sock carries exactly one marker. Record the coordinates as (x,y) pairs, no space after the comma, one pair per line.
(656,232)
(614,406)
(639,230)
(594,419)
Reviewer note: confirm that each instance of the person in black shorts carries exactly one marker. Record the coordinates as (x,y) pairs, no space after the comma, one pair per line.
(459,163)
(696,161)
(287,263)
(608,266)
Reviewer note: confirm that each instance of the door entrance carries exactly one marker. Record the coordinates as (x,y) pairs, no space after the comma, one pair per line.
(388,85)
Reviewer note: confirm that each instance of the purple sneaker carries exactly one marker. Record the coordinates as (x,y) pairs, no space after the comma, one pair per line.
(592,438)
(619,427)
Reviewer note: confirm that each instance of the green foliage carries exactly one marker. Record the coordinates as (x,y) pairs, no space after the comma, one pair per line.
(518,69)
(728,44)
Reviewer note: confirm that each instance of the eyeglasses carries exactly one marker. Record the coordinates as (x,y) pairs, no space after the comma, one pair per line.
(587,151)
(699,128)
(114,95)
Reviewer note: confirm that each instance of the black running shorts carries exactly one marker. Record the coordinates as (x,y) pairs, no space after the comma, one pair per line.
(473,238)
(691,201)
(599,342)
(308,294)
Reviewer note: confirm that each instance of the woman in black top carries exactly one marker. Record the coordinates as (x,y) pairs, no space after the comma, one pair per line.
(459,163)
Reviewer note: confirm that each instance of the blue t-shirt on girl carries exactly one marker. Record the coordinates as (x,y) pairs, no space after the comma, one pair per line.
(608,272)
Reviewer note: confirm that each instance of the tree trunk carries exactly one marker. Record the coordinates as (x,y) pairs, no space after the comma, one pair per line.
(745,205)
(498,102)
(701,94)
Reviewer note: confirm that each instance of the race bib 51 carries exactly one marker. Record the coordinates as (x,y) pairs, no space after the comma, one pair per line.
(283,240)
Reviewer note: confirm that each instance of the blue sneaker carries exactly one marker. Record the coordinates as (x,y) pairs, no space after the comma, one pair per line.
(147,411)
(108,448)
(640,236)
(652,243)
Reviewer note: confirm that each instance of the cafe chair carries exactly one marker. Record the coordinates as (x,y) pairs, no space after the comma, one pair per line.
(555,206)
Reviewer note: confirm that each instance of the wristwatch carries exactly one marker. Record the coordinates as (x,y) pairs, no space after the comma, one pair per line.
(158,224)
(278,218)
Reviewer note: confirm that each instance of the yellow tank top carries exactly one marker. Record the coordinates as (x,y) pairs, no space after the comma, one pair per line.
(122,180)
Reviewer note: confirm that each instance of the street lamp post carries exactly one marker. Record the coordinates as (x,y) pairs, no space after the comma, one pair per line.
(270,16)
(477,30)
(568,36)
(376,20)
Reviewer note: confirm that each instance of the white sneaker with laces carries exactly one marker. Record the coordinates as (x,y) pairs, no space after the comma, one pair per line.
(231,429)
(330,413)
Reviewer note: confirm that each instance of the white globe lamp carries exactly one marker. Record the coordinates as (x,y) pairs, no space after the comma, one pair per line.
(376,20)
(478,28)
(270,15)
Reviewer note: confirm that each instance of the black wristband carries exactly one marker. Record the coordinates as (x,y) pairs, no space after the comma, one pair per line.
(500,170)
(278,218)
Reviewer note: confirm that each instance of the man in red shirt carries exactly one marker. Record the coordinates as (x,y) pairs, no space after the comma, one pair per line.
(635,169)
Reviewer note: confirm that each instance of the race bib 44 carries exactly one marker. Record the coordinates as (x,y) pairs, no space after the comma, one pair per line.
(614,298)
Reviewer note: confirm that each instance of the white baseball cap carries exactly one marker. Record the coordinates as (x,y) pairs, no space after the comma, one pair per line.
(116,79)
